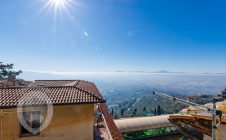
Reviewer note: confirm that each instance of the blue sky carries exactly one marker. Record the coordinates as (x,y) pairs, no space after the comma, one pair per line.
(111,35)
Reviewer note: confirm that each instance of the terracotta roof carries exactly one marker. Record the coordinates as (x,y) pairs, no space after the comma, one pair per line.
(3,83)
(83,85)
(89,86)
(53,83)
(58,96)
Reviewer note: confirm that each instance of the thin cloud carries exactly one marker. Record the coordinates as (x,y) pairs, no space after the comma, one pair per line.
(59,72)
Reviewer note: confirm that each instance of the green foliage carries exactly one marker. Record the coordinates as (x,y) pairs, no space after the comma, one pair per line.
(155,112)
(112,112)
(148,133)
(134,112)
(6,70)
(122,112)
(145,111)
(147,106)
(159,110)
(116,116)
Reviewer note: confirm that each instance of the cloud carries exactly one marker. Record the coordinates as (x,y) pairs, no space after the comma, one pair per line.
(66,73)
(59,72)
(86,34)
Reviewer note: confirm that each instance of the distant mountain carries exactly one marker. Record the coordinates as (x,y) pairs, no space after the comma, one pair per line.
(163,71)
(220,73)
(29,75)
(133,71)
(171,72)
(141,71)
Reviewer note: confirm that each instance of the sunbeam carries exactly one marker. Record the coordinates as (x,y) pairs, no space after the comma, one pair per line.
(59,7)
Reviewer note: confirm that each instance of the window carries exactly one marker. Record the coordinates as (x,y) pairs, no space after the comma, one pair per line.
(32,119)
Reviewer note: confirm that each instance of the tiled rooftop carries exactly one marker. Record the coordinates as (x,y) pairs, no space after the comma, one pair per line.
(89,86)
(2,83)
(83,85)
(58,95)
(53,83)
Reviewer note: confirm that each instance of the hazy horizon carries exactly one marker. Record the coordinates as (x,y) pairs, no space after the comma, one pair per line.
(124,83)
(29,74)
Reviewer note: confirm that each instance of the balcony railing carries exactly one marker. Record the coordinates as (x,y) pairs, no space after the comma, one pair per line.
(105,124)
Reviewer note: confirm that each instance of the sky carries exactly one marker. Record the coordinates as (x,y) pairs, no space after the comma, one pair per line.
(113,35)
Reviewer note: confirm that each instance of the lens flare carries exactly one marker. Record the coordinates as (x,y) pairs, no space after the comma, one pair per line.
(58,6)
(60,9)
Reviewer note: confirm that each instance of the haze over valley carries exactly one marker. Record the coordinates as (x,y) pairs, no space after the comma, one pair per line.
(127,91)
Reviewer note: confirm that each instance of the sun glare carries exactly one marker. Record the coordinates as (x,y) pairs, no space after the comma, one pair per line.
(59,9)
(57,3)
(59,6)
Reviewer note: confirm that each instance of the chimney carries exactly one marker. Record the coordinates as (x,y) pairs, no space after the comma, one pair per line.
(11,81)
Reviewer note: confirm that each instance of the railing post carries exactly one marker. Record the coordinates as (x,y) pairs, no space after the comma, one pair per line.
(214,122)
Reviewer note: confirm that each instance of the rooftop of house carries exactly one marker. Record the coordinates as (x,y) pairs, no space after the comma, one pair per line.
(10,97)
(2,82)
(61,92)
(52,83)
(81,84)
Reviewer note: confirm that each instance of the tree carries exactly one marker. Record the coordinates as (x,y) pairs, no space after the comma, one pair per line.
(122,112)
(112,112)
(135,112)
(120,105)
(162,111)
(6,70)
(116,115)
(155,112)
(144,111)
(159,110)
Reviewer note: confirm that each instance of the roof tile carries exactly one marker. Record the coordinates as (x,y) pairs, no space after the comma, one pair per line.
(10,97)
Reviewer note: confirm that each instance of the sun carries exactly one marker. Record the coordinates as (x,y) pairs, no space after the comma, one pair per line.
(59,9)
(58,6)
(58,3)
